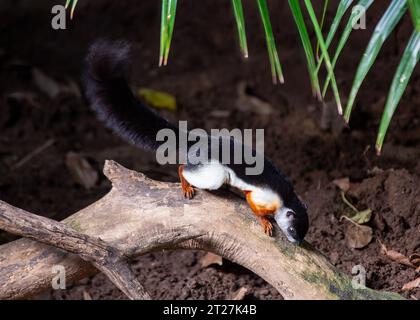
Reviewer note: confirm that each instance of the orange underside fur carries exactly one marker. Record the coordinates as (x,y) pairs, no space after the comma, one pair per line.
(262,212)
(259,210)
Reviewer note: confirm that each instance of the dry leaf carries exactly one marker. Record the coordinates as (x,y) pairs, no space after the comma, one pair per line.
(28,98)
(81,170)
(396,256)
(359,217)
(220,113)
(71,89)
(412,285)
(343,184)
(45,83)
(250,103)
(362,217)
(415,259)
(86,295)
(158,99)
(240,294)
(358,236)
(52,88)
(375,171)
(210,259)
(399,257)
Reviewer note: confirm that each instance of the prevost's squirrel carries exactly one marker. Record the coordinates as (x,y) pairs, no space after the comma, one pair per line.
(270,194)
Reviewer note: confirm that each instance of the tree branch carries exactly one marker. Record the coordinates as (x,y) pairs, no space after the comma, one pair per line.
(104,257)
(140,215)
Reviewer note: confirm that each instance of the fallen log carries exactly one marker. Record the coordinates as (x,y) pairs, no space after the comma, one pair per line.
(107,259)
(140,215)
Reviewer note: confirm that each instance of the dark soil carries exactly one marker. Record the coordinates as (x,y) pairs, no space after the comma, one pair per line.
(204,71)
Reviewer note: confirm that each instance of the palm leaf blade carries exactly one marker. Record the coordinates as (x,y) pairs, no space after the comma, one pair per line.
(382,31)
(324,15)
(166,29)
(364,6)
(240,23)
(408,62)
(306,42)
(341,10)
(324,53)
(276,70)
(163,31)
(171,24)
(415,12)
(73,6)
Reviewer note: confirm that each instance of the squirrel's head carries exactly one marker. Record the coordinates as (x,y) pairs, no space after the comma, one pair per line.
(293,220)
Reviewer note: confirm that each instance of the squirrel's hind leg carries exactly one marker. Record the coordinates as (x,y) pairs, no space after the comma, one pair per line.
(187,189)
(205,176)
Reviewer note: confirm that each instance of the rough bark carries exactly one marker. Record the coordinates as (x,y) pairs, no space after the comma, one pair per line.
(104,257)
(140,215)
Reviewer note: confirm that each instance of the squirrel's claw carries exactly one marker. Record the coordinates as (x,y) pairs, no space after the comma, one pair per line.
(188,192)
(267,225)
(187,189)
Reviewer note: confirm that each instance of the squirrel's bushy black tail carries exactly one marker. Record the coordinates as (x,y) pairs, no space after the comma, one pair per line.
(107,90)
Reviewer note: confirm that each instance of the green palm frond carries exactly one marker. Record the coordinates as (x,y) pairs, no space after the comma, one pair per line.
(240,23)
(415,13)
(402,76)
(324,51)
(399,84)
(386,25)
(392,16)
(167,29)
(362,6)
(341,10)
(73,6)
(276,70)
(306,42)
(324,15)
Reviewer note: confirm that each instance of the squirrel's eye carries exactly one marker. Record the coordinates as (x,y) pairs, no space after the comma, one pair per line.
(291,230)
(290,214)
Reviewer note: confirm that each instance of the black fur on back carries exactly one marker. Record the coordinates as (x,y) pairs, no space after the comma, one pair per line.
(107,90)
(109,95)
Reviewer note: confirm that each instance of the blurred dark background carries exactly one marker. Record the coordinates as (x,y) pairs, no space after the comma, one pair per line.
(47,131)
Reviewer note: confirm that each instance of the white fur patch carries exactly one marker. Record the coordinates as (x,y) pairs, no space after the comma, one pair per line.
(260,196)
(236,182)
(284,222)
(266,197)
(213,175)
(210,176)
(281,218)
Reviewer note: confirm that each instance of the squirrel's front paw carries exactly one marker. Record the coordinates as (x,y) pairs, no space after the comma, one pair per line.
(268,226)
